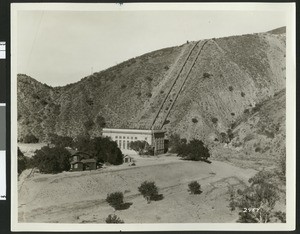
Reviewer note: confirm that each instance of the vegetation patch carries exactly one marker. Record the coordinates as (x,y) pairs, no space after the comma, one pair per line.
(150,191)
(116,200)
(112,218)
(214,120)
(194,120)
(206,75)
(194,187)
(30,138)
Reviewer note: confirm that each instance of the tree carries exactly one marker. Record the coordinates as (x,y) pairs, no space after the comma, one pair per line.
(256,202)
(101,148)
(194,187)
(112,218)
(149,190)
(139,146)
(52,160)
(61,141)
(116,200)
(194,150)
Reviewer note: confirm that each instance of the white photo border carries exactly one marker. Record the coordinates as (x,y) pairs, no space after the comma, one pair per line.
(287,8)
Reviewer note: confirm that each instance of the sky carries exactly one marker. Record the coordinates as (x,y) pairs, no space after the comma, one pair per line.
(61,47)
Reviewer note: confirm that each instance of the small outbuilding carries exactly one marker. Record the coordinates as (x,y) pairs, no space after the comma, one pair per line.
(127,159)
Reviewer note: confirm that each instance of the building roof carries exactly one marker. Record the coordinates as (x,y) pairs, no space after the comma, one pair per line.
(90,160)
(127,156)
(132,131)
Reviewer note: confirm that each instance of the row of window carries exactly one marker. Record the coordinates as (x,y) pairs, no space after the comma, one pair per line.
(120,137)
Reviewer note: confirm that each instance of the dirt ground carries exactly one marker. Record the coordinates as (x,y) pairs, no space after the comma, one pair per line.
(79,197)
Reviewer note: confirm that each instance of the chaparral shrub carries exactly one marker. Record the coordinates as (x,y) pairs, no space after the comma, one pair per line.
(194,187)
(116,200)
(112,218)
(149,190)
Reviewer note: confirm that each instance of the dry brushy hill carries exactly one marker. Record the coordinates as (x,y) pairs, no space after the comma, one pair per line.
(230,76)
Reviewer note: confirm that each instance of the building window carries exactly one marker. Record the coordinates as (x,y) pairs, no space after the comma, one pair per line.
(76,165)
(127,144)
(124,137)
(131,137)
(120,144)
(128,137)
(124,142)
(145,138)
(116,136)
(135,138)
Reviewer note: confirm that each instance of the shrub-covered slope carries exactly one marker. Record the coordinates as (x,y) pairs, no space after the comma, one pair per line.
(230,75)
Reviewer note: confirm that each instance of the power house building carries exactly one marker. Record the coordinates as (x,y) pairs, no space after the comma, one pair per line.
(123,137)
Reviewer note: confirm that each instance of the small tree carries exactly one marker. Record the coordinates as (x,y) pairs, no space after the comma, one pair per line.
(149,190)
(112,218)
(139,146)
(194,187)
(116,200)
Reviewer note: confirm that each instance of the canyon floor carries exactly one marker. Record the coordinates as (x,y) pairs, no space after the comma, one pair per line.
(79,197)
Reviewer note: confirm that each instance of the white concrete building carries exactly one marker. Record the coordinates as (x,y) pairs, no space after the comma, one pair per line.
(123,137)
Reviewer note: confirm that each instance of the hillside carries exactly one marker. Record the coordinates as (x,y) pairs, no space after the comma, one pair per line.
(259,136)
(198,89)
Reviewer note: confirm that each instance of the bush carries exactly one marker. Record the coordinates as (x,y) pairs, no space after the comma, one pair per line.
(261,194)
(30,138)
(116,200)
(214,120)
(51,160)
(123,86)
(194,187)
(206,75)
(194,120)
(149,78)
(166,67)
(242,94)
(113,219)
(194,150)
(100,121)
(246,111)
(149,95)
(230,88)
(149,190)
(139,94)
(89,125)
